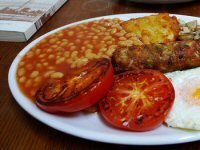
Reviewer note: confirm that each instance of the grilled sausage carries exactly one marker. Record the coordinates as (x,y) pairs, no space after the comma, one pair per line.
(167,57)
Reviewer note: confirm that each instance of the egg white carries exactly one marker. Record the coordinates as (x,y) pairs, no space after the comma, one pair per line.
(185,112)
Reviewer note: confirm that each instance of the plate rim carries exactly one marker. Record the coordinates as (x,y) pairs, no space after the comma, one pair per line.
(17,94)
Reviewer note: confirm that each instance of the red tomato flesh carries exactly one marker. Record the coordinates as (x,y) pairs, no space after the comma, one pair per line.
(81,90)
(138,101)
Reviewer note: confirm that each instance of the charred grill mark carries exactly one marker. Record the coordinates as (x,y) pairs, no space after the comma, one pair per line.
(63,90)
(170,62)
(140,119)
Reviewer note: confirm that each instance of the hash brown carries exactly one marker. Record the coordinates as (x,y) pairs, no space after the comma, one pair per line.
(160,28)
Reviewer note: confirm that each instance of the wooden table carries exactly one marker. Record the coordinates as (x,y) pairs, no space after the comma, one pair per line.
(21,131)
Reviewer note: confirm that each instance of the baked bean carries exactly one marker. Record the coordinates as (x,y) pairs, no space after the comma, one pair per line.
(45,64)
(128,35)
(64,44)
(38,79)
(95,30)
(107,24)
(28,83)
(81,62)
(114,26)
(71,33)
(86,42)
(22,79)
(89,37)
(34,74)
(74,54)
(66,54)
(113,39)
(53,40)
(113,46)
(109,42)
(57,75)
(43,41)
(64,40)
(135,41)
(83,48)
(70,44)
(54,46)
(102,28)
(85,27)
(38,51)
(60,49)
(21,63)
(91,55)
(77,41)
(103,45)
(72,47)
(29,67)
(58,42)
(103,49)
(89,46)
(126,43)
(119,28)
(69,61)
(122,39)
(49,50)
(51,68)
(105,56)
(59,53)
(51,56)
(92,34)
(110,51)
(100,54)
(60,35)
(42,55)
(43,60)
(108,37)
(100,34)
(21,72)
(38,65)
(113,31)
(29,54)
(77,29)
(106,33)
(60,60)
(116,20)
(119,34)
(48,73)
(88,51)
(96,22)
(80,36)
(95,37)
(73,65)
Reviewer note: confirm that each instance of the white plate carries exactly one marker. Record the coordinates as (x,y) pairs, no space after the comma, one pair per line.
(161,1)
(91,126)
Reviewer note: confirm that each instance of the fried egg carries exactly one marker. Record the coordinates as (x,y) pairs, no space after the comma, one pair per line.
(185,112)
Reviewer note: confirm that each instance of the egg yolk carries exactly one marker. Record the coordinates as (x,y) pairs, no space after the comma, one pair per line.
(196,94)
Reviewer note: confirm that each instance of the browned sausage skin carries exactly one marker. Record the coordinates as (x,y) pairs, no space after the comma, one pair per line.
(166,57)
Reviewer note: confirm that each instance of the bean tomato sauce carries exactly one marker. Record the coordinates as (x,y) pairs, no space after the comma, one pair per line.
(62,52)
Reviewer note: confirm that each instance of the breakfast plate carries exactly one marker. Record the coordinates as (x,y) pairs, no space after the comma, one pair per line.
(92,126)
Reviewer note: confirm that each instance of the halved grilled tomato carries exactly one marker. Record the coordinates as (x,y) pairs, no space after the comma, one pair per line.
(81,90)
(138,101)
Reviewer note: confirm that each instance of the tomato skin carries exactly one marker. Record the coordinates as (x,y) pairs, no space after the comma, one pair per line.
(142,113)
(86,98)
